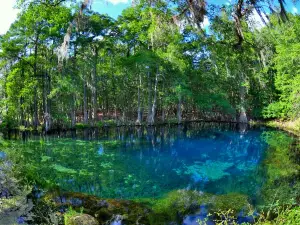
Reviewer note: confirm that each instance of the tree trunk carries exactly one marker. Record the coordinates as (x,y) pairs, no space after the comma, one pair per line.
(73,94)
(73,111)
(163,115)
(243,115)
(149,98)
(139,111)
(45,102)
(35,99)
(179,111)
(35,109)
(85,112)
(21,102)
(94,86)
(153,108)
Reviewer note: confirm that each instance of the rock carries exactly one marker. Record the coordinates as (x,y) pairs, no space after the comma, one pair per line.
(102,209)
(82,219)
(103,215)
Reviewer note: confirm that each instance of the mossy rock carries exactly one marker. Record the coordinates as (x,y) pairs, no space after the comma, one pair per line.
(233,201)
(102,209)
(177,204)
(82,219)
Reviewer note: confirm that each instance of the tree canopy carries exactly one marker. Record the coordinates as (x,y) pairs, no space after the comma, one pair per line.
(64,65)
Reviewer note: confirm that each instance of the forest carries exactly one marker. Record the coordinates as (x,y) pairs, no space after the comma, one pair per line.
(66,66)
(175,112)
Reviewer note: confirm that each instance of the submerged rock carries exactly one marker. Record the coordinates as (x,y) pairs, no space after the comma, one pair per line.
(177,204)
(103,210)
(82,219)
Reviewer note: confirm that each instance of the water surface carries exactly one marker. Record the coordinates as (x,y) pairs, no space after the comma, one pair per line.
(148,162)
(222,161)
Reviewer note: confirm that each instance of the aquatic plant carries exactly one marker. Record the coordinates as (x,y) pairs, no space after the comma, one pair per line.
(62,169)
(208,170)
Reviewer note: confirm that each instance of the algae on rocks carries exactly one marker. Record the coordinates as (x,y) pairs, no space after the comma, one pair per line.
(14,205)
(82,219)
(179,203)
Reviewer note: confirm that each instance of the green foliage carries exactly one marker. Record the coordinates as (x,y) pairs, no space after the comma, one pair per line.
(81,126)
(69,214)
(110,123)
(142,61)
(276,110)
(100,124)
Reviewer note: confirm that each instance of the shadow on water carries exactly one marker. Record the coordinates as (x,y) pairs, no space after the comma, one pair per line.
(110,132)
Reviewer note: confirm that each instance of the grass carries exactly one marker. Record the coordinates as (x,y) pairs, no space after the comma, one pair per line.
(291,126)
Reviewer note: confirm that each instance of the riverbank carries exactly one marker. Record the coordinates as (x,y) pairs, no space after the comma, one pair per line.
(290,126)
(107,124)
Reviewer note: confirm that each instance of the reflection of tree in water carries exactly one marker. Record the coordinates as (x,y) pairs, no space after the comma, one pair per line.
(282,169)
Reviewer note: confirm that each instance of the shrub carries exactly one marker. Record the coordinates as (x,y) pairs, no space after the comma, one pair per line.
(81,126)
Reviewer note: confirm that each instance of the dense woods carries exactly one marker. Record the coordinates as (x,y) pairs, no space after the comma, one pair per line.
(64,65)
(185,65)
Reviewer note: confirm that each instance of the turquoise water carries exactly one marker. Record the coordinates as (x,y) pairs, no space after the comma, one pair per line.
(148,162)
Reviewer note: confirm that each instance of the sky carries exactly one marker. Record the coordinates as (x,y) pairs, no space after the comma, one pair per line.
(7,15)
(112,7)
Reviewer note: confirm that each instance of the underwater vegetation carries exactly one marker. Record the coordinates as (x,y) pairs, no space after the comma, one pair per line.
(209,170)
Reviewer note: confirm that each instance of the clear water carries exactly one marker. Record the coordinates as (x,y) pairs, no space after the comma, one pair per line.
(148,162)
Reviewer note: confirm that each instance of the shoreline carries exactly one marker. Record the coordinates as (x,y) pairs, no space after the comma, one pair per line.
(290,126)
(82,126)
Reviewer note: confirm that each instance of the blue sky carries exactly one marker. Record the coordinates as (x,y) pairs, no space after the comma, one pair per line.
(112,7)
(115,7)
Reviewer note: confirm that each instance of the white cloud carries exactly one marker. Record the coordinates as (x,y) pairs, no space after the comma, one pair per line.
(255,20)
(7,14)
(295,10)
(205,23)
(115,2)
